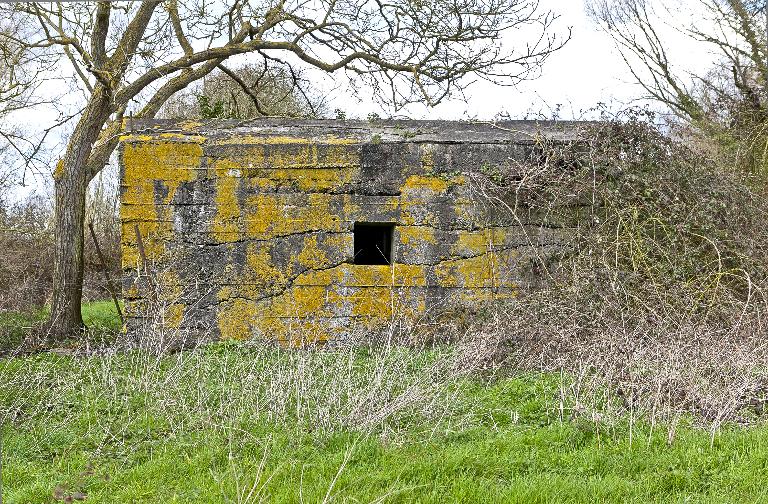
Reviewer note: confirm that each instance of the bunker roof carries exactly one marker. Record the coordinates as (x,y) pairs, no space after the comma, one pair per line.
(389,131)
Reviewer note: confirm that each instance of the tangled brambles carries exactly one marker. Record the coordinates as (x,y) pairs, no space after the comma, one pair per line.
(656,305)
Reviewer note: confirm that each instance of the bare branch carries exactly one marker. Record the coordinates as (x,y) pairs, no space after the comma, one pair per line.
(247,90)
(99,36)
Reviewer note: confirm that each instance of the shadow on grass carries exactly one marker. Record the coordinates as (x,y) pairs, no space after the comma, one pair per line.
(23,330)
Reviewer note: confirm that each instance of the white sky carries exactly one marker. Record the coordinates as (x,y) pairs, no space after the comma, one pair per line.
(587,71)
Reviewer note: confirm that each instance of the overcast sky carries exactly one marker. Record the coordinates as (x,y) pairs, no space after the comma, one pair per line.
(587,71)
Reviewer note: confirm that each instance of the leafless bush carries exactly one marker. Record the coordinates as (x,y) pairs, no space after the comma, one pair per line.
(656,303)
(26,243)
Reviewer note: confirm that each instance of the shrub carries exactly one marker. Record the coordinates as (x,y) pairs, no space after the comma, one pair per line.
(656,303)
(27,240)
(27,244)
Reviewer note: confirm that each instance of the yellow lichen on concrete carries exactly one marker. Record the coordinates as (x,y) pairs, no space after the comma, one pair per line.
(340,156)
(183,137)
(488,270)
(472,272)
(260,269)
(477,271)
(236,319)
(302,166)
(225,293)
(174,315)
(300,301)
(264,214)
(304,179)
(282,140)
(370,294)
(397,275)
(422,183)
(282,219)
(225,226)
(300,156)
(271,215)
(169,163)
(312,256)
(419,193)
(135,138)
(413,236)
(154,246)
(479,241)
(247,161)
(327,277)
(343,243)
(374,302)
(356,275)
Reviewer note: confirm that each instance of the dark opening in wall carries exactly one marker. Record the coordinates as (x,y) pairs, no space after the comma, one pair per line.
(373,243)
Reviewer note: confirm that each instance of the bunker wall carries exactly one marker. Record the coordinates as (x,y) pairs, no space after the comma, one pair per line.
(241,235)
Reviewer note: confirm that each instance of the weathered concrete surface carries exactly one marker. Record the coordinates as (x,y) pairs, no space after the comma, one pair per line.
(248,226)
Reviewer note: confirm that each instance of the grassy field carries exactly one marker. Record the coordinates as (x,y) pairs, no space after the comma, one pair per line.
(249,423)
(100,317)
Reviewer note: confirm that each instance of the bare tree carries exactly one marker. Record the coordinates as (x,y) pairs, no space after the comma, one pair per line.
(246,92)
(135,55)
(727,103)
(15,89)
(21,76)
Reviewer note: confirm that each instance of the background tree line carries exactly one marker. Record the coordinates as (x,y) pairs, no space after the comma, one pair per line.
(724,108)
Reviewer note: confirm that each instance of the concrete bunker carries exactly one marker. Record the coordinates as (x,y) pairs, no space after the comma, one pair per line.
(301,230)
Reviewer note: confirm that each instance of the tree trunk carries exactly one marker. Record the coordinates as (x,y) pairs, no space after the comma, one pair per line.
(69,211)
(71,184)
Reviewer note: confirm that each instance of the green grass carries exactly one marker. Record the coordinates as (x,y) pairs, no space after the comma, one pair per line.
(14,326)
(210,425)
(100,317)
